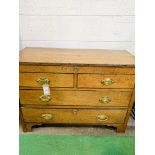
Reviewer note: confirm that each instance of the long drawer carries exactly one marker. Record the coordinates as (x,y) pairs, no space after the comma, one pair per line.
(103,97)
(105,81)
(77,69)
(71,116)
(56,80)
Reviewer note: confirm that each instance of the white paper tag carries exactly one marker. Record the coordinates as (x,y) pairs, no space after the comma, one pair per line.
(46,89)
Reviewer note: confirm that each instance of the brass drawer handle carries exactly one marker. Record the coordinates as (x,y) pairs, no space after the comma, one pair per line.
(102,118)
(107,81)
(43,81)
(47,116)
(45,98)
(104,99)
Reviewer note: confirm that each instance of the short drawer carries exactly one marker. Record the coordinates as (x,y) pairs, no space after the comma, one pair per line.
(80,116)
(105,81)
(83,98)
(56,80)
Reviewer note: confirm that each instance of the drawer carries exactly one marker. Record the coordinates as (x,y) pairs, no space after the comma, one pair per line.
(77,69)
(81,116)
(89,98)
(56,80)
(105,81)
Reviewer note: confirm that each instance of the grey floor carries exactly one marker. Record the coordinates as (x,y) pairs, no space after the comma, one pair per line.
(72,130)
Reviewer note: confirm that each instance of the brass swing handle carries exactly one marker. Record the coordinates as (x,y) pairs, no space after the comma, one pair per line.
(102,118)
(47,116)
(44,82)
(107,81)
(104,99)
(45,98)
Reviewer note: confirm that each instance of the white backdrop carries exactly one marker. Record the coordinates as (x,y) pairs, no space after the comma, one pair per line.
(96,24)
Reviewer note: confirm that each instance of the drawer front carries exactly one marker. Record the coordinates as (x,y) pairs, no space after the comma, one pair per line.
(89,98)
(77,69)
(105,81)
(81,116)
(56,80)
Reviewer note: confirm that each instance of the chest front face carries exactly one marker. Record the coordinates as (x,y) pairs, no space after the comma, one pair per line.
(72,92)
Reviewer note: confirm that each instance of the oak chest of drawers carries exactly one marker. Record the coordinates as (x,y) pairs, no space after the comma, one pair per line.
(71,86)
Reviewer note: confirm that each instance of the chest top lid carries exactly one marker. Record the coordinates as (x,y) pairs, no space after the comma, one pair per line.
(96,57)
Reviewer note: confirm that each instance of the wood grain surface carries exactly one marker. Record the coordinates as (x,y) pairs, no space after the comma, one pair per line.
(82,98)
(80,69)
(76,56)
(94,81)
(68,115)
(56,80)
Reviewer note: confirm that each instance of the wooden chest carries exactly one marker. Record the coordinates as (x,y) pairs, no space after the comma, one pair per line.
(71,86)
